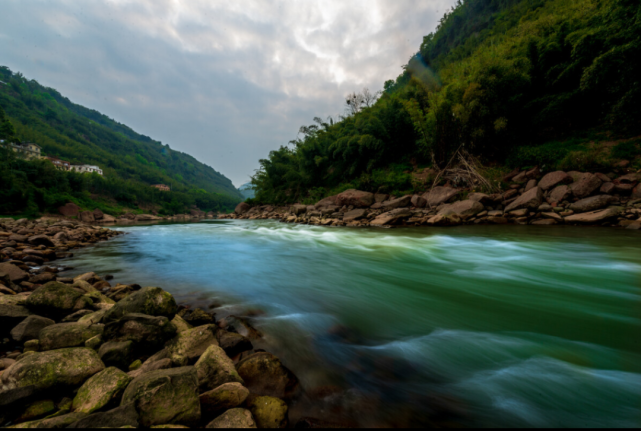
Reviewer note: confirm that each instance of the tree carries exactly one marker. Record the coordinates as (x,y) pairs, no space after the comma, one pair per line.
(357,101)
(7,131)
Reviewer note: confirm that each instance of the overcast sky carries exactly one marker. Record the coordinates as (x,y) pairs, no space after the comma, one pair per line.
(225,81)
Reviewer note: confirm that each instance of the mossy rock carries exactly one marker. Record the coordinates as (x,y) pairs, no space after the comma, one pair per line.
(116,353)
(269,412)
(54,369)
(135,365)
(58,422)
(102,389)
(94,343)
(148,333)
(181,324)
(264,374)
(95,317)
(234,418)
(36,410)
(188,346)
(152,301)
(56,300)
(65,335)
(224,397)
(165,397)
(215,369)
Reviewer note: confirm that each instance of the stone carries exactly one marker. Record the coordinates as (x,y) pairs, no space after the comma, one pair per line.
(405,201)
(586,185)
(355,198)
(530,200)
(116,354)
(94,343)
(43,278)
(465,208)
(380,197)
(233,343)
(16,275)
(36,410)
(445,220)
(298,209)
(55,300)
(520,178)
(188,346)
(481,198)
(356,214)
(55,422)
(242,208)
(31,346)
(66,335)
(101,390)
(418,201)
(95,317)
(242,327)
(214,368)
(121,417)
(41,240)
(86,217)
(552,216)
(269,412)
(391,217)
(224,397)
(560,194)
(74,317)
(519,213)
(165,397)
(530,185)
(592,203)
(55,369)
(199,317)
(234,418)
(152,301)
(595,216)
(636,194)
(554,179)
(148,333)
(89,277)
(180,324)
(632,178)
(135,365)
(69,210)
(98,215)
(29,328)
(439,195)
(533,173)
(327,202)
(545,222)
(264,374)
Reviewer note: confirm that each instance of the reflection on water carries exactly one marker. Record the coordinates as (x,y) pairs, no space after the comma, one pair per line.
(488,326)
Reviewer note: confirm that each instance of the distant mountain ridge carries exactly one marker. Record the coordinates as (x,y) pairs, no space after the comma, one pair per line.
(85,136)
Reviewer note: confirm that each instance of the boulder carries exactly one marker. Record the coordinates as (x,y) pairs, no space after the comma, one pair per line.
(95,317)
(391,217)
(16,275)
(233,343)
(87,217)
(69,210)
(355,198)
(418,201)
(632,178)
(65,335)
(43,278)
(55,369)
(586,185)
(101,390)
(12,312)
(560,194)
(146,217)
(530,185)
(199,317)
(298,209)
(224,397)
(152,301)
(264,374)
(242,327)
(55,300)
(74,317)
(554,179)
(41,240)
(188,346)
(214,368)
(147,332)
(445,220)
(591,204)
(595,216)
(165,397)
(405,201)
(18,238)
(530,200)
(106,218)
(545,222)
(116,354)
(268,412)
(520,178)
(327,202)
(53,422)
(180,324)
(121,417)
(242,208)
(356,214)
(98,215)
(234,418)
(481,198)
(439,195)
(466,208)
(36,410)
(636,194)
(29,328)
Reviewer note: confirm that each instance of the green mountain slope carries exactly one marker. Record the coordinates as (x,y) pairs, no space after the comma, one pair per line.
(84,136)
(516,81)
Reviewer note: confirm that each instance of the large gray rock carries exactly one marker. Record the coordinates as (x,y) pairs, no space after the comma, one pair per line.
(165,397)
(595,216)
(466,208)
(15,274)
(418,201)
(391,217)
(188,346)
(586,185)
(355,198)
(481,198)
(148,333)
(55,300)
(55,369)
(439,195)
(405,201)
(264,374)
(530,200)
(234,418)
(591,204)
(554,179)
(214,368)
(327,202)
(29,329)
(242,208)
(152,301)
(560,194)
(356,214)
(66,335)
(101,390)
(120,417)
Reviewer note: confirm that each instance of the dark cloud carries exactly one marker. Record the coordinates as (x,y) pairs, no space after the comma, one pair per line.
(224,81)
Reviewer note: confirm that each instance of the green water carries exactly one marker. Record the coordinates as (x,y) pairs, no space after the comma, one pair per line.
(484,326)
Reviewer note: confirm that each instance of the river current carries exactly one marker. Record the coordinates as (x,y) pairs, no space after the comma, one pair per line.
(475,326)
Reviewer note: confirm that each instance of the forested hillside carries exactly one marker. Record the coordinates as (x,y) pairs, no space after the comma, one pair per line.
(510,81)
(84,136)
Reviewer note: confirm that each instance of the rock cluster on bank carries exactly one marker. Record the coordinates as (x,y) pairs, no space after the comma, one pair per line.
(572,198)
(89,361)
(98,217)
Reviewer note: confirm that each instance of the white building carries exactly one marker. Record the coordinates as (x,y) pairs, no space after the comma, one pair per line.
(86,169)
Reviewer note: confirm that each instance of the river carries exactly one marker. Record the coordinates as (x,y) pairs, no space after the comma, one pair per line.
(473,326)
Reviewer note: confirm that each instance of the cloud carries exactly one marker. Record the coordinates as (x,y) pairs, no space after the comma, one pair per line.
(224,81)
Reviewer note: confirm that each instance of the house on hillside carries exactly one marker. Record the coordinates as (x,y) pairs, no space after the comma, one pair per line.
(162,187)
(59,164)
(26,150)
(86,169)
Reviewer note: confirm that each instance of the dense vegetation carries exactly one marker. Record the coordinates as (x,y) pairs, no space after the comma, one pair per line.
(511,81)
(131,162)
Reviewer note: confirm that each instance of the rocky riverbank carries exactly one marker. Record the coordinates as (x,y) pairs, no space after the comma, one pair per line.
(531,197)
(72,211)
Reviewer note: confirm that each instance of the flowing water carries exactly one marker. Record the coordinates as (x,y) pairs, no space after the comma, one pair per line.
(482,326)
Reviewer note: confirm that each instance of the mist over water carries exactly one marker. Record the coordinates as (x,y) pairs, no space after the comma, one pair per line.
(495,326)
